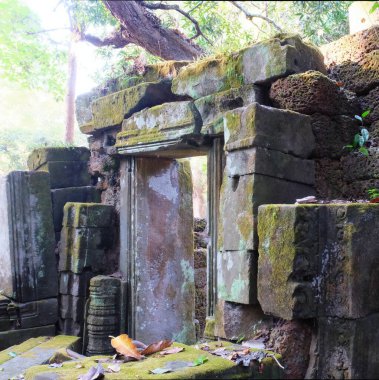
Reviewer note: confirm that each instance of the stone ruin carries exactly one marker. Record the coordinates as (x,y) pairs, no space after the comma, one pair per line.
(100,242)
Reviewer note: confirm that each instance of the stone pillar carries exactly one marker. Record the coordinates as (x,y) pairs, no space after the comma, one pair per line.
(158,244)
(103,318)
(27,262)
(267,161)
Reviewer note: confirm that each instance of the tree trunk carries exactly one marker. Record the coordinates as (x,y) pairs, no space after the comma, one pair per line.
(70,94)
(144,29)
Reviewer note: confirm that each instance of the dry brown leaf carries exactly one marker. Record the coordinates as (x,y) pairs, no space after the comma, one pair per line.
(125,346)
(156,347)
(173,350)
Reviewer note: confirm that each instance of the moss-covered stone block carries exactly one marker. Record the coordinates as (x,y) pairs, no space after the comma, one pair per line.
(259,64)
(59,197)
(270,163)
(239,201)
(312,92)
(214,368)
(89,215)
(33,352)
(82,248)
(266,127)
(41,156)
(112,109)
(212,107)
(162,122)
(310,260)
(27,261)
(287,260)
(237,276)
(67,173)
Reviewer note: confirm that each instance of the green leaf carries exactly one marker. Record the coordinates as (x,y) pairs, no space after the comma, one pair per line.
(200,360)
(364,151)
(365,134)
(358,117)
(12,354)
(374,7)
(366,113)
(356,140)
(361,140)
(348,147)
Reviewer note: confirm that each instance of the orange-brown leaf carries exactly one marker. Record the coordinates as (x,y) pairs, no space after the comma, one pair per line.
(125,346)
(156,347)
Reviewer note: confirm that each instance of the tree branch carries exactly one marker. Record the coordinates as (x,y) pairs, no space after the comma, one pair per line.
(178,9)
(116,39)
(250,15)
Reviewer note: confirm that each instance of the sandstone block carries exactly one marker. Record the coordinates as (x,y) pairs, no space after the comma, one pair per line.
(164,251)
(260,63)
(70,327)
(311,256)
(162,122)
(27,262)
(12,337)
(312,92)
(239,201)
(287,260)
(346,349)
(112,109)
(74,284)
(59,197)
(237,276)
(266,127)
(41,156)
(89,215)
(271,163)
(83,248)
(71,307)
(33,314)
(233,320)
(212,107)
(67,173)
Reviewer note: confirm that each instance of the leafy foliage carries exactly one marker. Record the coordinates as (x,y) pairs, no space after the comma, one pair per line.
(373,193)
(360,139)
(26,55)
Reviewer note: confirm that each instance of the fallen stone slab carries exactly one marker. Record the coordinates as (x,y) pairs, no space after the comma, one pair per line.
(261,63)
(111,110)
(212,367)
(16,359)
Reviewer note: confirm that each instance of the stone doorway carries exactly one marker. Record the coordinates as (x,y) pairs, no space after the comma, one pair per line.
(157,242)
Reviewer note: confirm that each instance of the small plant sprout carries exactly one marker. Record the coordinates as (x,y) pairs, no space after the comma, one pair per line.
(360,139)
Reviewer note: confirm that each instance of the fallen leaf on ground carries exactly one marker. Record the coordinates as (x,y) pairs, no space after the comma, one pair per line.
(172,367)
(12,354)
(173,350)
(79,366)
(156,347)
(200,360)
(125,346)
(114,368)
(93,373)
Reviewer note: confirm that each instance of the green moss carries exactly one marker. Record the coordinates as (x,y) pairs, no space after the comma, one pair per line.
(215,367)
(21,348)
(209,331)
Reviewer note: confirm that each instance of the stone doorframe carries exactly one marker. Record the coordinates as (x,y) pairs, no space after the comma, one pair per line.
(215,165)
